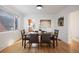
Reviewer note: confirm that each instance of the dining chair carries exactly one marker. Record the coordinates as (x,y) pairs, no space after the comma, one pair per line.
(22,36)
(45,38)
(55,36)
(33,39)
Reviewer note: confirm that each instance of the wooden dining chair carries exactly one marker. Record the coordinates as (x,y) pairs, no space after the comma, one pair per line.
(45,38)
(55,36)
(22,36)
(33,39)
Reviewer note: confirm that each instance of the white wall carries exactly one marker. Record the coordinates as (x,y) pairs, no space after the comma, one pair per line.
(36,20)
(63,31)
(8,38)
(74,25)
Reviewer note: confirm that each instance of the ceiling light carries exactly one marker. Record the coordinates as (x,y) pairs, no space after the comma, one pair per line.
(39,7)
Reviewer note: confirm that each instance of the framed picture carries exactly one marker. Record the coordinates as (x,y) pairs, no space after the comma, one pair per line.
(45,23)
(61,21)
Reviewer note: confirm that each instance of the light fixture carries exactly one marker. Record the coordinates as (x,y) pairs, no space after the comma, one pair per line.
(39,7)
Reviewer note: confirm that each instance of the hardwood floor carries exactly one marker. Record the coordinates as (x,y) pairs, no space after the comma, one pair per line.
(61,48)
(74,46)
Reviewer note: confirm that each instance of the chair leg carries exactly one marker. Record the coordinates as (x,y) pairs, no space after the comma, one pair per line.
(24,43)
(49,44)
(56,42)
(53,43)
(40,44)
(30,44)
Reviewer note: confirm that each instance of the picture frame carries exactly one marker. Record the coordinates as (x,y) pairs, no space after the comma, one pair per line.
(61,21)
(45,23)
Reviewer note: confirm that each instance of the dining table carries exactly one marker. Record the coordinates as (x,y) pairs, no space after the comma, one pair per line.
(27,37)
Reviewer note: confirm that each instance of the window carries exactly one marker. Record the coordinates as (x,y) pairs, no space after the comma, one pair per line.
(7,22)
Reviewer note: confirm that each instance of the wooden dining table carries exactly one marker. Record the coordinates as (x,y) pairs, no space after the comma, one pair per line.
(51,37)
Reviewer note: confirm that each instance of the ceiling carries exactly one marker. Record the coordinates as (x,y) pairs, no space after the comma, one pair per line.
(31,9)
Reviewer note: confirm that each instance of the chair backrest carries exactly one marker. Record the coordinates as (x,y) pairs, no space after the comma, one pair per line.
(45,38)
(33,38)
(36,31)
(56,32)
(43,31)
(22,33)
